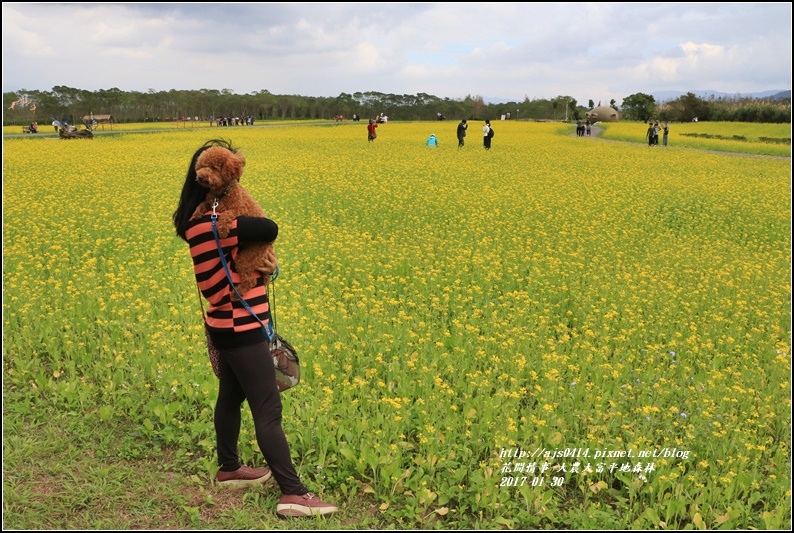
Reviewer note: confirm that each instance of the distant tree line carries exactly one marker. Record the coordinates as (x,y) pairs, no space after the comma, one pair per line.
(689,107)
(70,104)
(132,106)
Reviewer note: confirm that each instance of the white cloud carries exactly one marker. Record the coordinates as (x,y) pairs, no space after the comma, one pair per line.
(19,31)
(585,50)
(366,56)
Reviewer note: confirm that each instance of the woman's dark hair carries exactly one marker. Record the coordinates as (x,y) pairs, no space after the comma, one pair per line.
(192,192)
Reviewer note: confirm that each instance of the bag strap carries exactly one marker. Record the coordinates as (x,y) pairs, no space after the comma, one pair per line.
(271,299)
(268,330)
(201,302)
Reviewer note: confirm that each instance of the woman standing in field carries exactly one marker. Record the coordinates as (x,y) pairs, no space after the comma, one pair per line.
(246,368)
(486,135)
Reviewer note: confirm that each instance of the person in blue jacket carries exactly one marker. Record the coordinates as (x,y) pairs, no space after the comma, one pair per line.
(432,142)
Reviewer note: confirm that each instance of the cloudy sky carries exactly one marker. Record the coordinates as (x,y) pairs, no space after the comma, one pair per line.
(501,51)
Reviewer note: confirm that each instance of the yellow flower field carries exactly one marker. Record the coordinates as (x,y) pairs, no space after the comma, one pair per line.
(690,135)
(556,333)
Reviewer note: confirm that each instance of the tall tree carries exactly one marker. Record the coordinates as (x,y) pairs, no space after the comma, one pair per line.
(476,105)
(639,106)
(692,107)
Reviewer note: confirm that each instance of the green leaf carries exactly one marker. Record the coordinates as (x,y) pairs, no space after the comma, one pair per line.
(651,515)
(348,453)
(771,519)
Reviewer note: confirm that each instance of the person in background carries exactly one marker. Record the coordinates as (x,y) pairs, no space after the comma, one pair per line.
(371,135)
(462,127)
(486,135)
(666,130)
(245,365)
(432,142)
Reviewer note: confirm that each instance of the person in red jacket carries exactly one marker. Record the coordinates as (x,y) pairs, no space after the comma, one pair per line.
(371,135)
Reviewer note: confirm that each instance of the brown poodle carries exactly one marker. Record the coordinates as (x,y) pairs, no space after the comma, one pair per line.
(219,170)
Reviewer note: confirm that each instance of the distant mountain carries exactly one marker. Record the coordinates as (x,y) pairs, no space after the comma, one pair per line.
(666,96)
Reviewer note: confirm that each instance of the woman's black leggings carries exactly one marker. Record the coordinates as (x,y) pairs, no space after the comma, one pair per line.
(248,373)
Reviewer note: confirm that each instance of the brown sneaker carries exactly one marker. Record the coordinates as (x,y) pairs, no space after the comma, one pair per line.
(303,505)
(245,475)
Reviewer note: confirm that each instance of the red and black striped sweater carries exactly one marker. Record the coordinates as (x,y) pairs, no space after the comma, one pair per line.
(229,323)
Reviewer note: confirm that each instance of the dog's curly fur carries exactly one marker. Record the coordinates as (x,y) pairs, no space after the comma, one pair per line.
(219,170)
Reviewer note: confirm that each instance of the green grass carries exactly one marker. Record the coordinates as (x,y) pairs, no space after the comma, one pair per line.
(67,475)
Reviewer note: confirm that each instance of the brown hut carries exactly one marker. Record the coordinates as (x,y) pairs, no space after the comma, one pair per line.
(602,113)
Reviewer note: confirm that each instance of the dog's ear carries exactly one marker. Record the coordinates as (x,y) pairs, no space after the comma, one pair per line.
(234,165)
